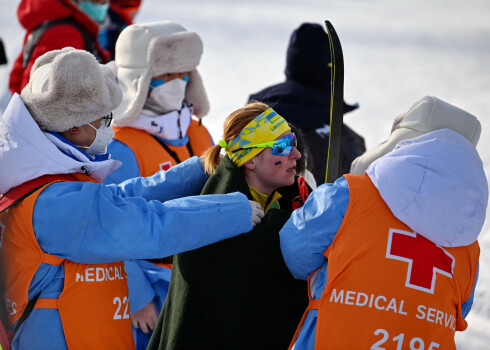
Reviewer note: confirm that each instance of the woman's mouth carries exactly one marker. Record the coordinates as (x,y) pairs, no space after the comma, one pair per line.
(292,170)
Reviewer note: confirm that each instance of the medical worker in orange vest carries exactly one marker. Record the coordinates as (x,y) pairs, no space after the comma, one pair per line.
(63,234)
(392,253)
(154,130)
(162,89)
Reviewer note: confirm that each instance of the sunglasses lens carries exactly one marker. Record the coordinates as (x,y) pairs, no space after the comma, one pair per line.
(278,150)
(284,146)
(283,152)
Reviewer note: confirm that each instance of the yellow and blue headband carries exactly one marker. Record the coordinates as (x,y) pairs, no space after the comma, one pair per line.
(268,126)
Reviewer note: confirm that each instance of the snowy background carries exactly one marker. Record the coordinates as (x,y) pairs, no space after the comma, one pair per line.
(395,53)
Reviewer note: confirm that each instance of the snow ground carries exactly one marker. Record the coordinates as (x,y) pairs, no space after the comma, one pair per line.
(395,53)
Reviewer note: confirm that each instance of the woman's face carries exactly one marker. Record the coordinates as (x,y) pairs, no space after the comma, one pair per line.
(272,171)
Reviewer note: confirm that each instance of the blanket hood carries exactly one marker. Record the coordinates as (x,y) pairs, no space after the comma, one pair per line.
(436,185)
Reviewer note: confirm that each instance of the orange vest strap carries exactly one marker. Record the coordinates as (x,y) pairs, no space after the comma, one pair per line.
(52,260)
(46,303)
(314,304)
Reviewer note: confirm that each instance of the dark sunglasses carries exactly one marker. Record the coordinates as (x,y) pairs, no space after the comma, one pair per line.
(107,120)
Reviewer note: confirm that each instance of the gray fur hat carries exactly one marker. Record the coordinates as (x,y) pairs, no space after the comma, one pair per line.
(69,88)
(426,115)
(146,50)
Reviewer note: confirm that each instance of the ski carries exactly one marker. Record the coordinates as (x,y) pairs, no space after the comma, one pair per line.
(334,158)
(3,55)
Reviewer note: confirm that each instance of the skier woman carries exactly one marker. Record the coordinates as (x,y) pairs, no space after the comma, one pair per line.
(239,294)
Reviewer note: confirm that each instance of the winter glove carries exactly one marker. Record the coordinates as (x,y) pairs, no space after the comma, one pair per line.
(257,212)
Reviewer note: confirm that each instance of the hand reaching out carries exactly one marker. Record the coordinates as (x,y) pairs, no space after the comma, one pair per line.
(145,318)
(257,213)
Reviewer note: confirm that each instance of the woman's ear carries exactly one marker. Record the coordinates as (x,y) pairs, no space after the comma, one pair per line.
(249,164)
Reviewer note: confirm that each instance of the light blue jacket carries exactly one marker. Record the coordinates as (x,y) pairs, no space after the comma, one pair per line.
(146,281)
(94,223)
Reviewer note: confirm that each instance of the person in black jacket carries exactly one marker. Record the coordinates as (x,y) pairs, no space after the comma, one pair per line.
(304,98)
(238,294)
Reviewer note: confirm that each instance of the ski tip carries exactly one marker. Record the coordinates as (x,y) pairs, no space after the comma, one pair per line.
(329,26)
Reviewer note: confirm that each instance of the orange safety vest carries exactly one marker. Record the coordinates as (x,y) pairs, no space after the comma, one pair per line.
(152,156)
(93,305)
(388,287)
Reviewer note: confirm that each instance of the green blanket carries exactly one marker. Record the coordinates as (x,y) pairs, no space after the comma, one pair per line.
(237,293)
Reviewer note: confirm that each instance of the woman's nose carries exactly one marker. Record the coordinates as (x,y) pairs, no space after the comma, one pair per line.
(295,154)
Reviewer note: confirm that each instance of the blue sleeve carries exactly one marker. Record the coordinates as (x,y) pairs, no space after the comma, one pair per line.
(311,229)
(89,223)
(129,167)
(466,307)
(140,289)
(184,179)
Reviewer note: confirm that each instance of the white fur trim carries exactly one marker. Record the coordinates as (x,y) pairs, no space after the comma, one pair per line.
(195,94)
(151,49)
(40,78)
(426,115)
(80,90)
(174,53)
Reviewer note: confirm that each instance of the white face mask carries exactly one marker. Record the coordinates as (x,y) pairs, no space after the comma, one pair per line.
(103,136)
(170,95)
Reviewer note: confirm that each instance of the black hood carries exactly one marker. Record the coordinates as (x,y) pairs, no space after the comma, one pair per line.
(289,99)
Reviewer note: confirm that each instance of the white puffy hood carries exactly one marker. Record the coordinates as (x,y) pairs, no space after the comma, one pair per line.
(436,185)
(26,152)
(426,115)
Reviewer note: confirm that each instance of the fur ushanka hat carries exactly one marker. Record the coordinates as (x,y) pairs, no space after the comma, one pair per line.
(146,50)
(69,88)
(426,115)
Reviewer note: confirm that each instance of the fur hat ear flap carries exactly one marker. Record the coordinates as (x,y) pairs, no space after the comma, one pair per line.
(195,94)
(69,88)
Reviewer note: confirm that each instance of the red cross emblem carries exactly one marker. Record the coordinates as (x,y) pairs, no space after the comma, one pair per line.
(424,258)
(165,166)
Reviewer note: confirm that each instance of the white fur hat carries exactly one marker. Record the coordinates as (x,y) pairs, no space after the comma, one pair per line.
(426,115)
(69,88)
(146,50)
